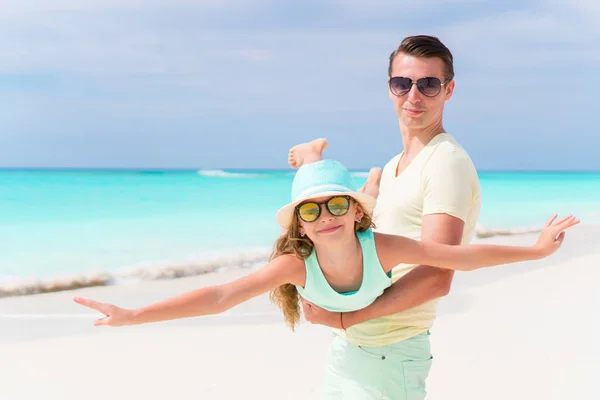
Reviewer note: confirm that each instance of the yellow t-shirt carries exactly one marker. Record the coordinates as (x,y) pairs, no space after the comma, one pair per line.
(440,179)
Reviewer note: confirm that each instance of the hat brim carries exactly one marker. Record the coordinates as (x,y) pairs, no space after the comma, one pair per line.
(286,213)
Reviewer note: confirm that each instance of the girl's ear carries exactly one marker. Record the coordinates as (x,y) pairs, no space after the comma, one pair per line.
(359,213)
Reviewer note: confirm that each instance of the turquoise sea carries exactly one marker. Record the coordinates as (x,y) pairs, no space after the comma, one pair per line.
(69,224)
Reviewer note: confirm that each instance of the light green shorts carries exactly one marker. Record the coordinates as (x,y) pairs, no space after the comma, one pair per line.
(397,371)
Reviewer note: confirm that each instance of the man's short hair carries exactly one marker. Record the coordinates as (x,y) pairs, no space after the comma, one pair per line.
(427,47)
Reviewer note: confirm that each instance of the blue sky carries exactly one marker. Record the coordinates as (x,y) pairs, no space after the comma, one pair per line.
(233,84)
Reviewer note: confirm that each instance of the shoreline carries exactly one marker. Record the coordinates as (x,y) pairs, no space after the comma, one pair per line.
(168,270)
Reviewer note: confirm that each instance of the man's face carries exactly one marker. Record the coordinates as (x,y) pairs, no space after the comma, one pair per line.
(414,109)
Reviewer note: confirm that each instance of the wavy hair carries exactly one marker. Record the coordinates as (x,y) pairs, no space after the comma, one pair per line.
(286,296)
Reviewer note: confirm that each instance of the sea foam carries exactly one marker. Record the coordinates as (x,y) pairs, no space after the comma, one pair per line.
(483,232)
(219,173)
(172,269)
(168,269)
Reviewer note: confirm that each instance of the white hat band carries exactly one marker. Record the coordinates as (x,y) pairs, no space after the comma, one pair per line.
(323,188)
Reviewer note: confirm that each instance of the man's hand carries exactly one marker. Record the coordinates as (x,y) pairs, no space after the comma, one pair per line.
(317,315)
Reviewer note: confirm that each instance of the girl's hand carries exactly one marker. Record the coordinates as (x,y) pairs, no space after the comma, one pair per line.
(114,316)
(553,234)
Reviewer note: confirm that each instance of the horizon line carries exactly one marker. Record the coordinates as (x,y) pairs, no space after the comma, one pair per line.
(149,169)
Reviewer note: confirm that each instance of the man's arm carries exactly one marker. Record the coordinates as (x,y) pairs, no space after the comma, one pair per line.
(448,183)
(447,198)
(422,284)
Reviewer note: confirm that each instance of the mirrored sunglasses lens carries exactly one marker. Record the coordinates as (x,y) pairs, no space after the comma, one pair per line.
(338,206)
(400,85)
(429,86)
(309,212)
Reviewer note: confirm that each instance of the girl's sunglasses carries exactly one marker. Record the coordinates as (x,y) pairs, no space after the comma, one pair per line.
(311,210)
(430,86)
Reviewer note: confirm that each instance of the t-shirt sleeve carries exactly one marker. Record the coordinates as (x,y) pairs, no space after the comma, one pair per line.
(447,185)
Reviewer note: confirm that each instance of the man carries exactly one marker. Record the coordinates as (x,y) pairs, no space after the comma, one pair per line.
(430,191)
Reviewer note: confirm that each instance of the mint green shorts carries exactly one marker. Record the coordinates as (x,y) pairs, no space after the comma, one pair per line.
(397,371)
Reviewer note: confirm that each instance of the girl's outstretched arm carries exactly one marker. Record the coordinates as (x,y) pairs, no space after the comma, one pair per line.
(207,300)
(394,250)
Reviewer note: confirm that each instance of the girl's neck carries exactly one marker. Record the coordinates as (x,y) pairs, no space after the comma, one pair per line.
(338,258)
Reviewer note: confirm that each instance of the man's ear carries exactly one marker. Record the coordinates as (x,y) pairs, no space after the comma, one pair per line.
(449,90)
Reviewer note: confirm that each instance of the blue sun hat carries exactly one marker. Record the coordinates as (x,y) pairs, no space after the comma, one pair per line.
(321,179)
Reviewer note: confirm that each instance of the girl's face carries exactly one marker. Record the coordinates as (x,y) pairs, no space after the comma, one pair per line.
(328,218)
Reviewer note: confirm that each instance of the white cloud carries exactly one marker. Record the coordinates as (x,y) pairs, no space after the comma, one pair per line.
(216,68)
(524,40)
(11,7)
(264,68)
(585,8)
(377,7)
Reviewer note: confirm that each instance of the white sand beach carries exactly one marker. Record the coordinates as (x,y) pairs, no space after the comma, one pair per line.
(522,331)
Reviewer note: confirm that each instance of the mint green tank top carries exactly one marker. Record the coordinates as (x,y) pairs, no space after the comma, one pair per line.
(318,291)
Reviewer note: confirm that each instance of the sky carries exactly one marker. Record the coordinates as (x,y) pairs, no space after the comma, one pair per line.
(234,84)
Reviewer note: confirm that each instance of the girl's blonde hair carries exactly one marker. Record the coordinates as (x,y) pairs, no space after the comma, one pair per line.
(286,296)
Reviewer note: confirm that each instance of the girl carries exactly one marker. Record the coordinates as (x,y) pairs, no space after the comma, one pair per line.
(330,256)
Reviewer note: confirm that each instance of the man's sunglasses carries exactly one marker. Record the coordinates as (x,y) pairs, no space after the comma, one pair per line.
(311,210)
(429,86)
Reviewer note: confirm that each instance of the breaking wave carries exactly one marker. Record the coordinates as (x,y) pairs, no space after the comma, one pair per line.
(15,286)
(169,269)
(219,173)
(483,232)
